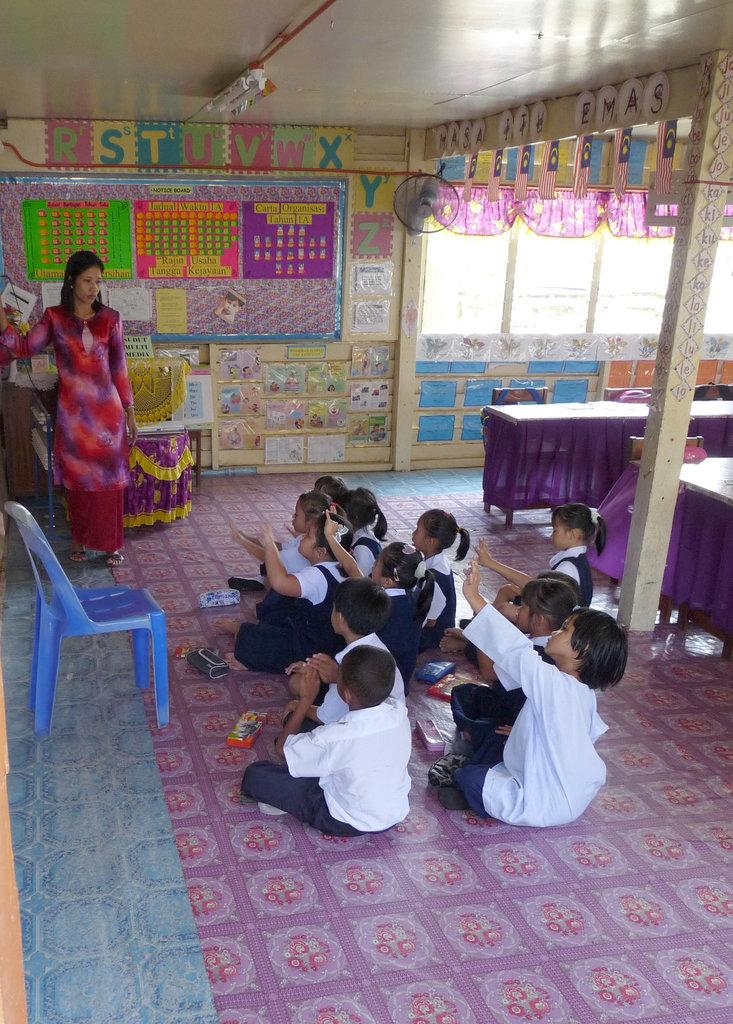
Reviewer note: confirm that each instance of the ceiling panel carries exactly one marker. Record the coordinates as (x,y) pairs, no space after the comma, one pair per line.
(386,63)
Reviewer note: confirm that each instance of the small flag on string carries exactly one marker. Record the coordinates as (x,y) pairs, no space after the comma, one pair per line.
(548,172)
(581,168)
(622,152)
(522,176)
(666,142)
(471,165)
(492,191)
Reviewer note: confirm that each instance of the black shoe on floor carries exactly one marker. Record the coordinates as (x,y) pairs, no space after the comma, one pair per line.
(452,799)
(244,583)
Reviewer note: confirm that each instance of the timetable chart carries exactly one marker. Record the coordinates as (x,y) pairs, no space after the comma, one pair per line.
(55,229)
(183,239)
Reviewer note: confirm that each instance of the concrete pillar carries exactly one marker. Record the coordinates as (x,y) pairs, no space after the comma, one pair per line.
(706,178)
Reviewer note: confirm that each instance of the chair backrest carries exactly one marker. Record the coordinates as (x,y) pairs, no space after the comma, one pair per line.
(517,396)
(636,445)
(641,395)
(64,601)
(713,392)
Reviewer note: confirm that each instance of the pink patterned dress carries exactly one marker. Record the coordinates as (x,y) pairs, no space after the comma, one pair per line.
(90,441)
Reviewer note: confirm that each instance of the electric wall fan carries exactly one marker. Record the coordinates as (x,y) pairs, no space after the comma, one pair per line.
(425,203)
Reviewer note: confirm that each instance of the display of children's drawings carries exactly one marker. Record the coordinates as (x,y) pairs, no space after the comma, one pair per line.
(237,435)
(327,378)
(369,394)
(287,450)
(230,399)
(284,415)
(327,414)
(284,378)
(240,363)
(367,429)
(372,361)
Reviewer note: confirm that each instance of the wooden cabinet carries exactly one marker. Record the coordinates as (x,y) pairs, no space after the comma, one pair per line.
(17,419)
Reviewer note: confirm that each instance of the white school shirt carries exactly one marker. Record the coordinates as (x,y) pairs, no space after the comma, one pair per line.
(364,558)
(313,586)
(333,707)
(551,771)
(560,563)
(441,564)
(360,762)
(291,557)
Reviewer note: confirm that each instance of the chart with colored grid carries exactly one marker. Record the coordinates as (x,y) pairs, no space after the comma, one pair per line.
(55,229)
(187,239)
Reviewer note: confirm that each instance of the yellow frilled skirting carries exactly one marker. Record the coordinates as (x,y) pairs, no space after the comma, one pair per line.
(159,515)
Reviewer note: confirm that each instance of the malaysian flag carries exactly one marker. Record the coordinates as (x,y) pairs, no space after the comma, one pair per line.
(492,190)
(548,173)
(522,177)
(581,169)
(622,152)
(666,142)
(471,165)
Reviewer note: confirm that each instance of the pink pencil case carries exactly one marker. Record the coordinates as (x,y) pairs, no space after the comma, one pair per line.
(430,735)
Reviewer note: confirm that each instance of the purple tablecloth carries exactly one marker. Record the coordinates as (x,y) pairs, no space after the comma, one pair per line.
(553,454)
(160,479)
(703,576)
(616,509)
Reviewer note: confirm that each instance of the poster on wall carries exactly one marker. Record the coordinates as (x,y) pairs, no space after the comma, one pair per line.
(53,230)
(288,240)
(184,239)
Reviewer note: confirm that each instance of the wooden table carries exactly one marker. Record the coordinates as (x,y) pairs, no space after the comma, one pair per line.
(547,455)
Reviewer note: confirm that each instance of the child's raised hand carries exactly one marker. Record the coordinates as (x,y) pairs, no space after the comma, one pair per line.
(326,667)
(471,580)
(331,527)
(483,553)
(268,537)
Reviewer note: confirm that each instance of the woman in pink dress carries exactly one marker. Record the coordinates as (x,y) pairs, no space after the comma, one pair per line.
(95,420)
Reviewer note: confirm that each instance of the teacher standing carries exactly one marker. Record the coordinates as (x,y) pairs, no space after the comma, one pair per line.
(95,420)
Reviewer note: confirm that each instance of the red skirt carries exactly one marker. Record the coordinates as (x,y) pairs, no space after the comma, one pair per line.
(96,518)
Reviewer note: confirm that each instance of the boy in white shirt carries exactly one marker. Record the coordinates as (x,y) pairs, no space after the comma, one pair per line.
(349,776)
(361,607)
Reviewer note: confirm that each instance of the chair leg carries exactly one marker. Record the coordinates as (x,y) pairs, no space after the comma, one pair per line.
(665,608)
(683,615)
(160,668)
(141,655)
(508,516)
(49,653)
(39,630)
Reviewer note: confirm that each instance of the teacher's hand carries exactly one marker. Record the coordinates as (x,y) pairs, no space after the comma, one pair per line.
(131,425)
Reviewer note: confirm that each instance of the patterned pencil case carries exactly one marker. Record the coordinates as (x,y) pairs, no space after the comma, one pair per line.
(218,598)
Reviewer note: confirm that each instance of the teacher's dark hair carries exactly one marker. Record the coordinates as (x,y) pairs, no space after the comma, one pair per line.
(77,264)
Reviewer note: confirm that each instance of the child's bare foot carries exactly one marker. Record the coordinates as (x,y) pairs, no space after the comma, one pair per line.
(453,641)
(228,626)
(233,663)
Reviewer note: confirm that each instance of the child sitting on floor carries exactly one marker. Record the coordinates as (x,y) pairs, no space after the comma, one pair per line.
(270,646)
(349,776)
(360,608)
(370,526)
(334,486)
(574,527)
(436,531)
(550,770)
(483,714)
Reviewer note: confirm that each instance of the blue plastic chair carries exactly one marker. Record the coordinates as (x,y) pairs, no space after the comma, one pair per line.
(79,611)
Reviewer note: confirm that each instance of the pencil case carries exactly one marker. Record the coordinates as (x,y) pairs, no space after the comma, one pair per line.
(430,735)
(208,662)
(432,671)
(218,598)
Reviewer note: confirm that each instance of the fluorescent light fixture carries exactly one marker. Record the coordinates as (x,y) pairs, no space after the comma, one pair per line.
(246,89)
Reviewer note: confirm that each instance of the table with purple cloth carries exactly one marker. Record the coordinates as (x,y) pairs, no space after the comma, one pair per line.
(160,479)
(697,575)
(546,455)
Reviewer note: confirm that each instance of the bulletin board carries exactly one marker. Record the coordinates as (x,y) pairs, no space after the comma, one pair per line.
(186,260)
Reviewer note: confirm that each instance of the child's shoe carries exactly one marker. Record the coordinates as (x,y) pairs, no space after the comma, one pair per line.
(269,809)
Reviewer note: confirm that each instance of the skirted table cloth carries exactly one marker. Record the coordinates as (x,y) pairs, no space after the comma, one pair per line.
(550,454)
(697,576)
(160,479)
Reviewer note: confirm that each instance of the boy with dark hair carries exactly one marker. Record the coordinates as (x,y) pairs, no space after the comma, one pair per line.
(360,608)
(349,776)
